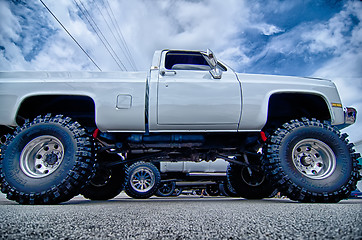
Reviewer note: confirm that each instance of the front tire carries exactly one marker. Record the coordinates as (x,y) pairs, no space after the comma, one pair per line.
(46,161)
(311,161)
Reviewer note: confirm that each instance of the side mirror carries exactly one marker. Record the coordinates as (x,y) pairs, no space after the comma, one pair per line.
(212,58)
(215,72)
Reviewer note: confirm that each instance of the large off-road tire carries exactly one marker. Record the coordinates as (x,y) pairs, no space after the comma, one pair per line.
(249,183)
(142,180)
(106,184)
(46,161)
(311,161)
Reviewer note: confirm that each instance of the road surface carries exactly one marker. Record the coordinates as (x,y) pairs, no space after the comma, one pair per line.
(185,217)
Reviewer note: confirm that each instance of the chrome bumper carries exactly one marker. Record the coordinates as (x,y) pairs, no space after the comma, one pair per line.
(350,115)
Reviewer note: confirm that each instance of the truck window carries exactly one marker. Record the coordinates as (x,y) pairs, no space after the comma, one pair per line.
(176,60)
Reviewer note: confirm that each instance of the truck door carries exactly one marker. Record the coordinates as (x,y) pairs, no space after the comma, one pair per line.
(189,97)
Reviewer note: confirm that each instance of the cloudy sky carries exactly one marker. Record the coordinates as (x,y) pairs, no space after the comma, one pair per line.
(319,38)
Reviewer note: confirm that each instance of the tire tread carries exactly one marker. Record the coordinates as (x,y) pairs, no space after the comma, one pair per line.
(273,170)
(75,180)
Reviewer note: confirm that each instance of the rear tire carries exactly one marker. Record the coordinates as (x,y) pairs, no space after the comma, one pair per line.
(249,183)
(46,161)
(143,180)
(311,161)
(166,189)
(106,184)
(227,189)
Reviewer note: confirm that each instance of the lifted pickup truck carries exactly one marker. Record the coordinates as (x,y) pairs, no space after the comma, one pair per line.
(94,133)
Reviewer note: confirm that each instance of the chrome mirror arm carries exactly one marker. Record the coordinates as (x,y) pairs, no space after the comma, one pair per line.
(216,73)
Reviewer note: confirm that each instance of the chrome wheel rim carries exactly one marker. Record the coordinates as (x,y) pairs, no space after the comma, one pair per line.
(41,156)
(142,179)
(314,159)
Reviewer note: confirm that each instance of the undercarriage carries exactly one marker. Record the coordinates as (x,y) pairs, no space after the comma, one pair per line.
(180,147)
(53,158)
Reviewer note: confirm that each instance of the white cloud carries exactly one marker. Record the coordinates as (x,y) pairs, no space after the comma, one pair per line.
(332,34)
(268,29)
(9,25)
(35,41)
(183,25)
(146,26)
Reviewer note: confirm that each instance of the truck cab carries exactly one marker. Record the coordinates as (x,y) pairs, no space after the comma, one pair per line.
(185,96)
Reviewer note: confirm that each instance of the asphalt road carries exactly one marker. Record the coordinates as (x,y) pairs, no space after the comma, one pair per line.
(181,218)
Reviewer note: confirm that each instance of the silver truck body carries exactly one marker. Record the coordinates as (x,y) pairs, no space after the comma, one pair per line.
(178,101)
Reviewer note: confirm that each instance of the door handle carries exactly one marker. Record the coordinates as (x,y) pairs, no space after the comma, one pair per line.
(167,72)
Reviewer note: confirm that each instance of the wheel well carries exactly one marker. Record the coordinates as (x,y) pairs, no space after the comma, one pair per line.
(284,107)
(79,108)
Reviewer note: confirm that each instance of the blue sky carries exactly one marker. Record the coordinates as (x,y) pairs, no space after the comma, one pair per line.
(319,38)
